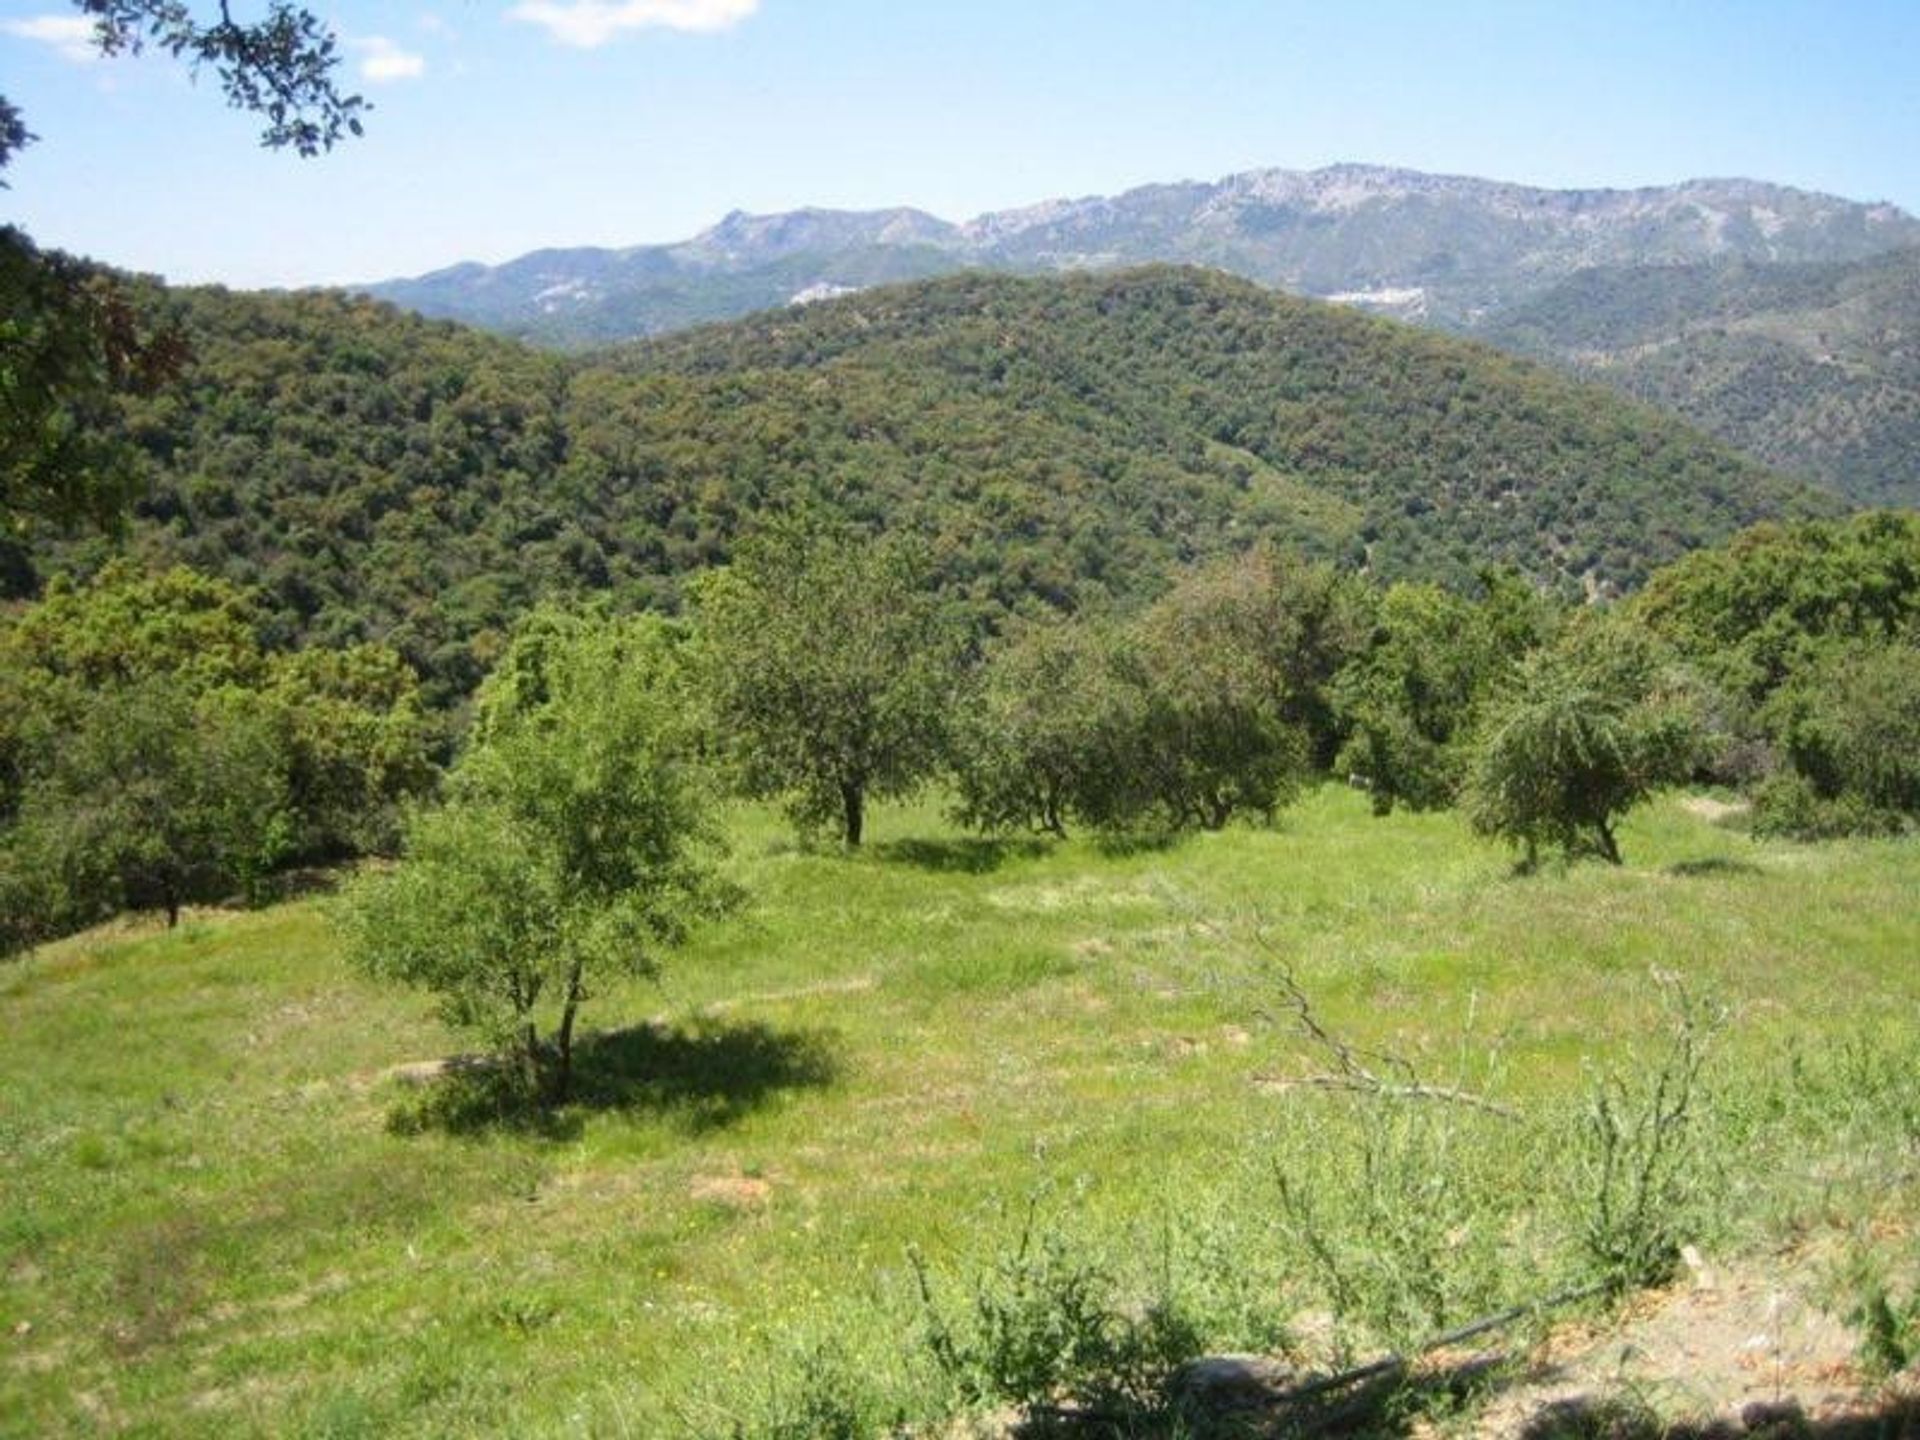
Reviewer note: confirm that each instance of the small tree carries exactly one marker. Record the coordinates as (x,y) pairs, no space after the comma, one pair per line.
(831,666)
(1585,730)
(154,799)
(576,841)
(1042,734)
(1233,664)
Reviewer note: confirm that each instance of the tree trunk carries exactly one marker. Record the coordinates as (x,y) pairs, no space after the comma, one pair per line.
(1608,847)
(172,901)
(530,1056)
(563,1038)
(853,807)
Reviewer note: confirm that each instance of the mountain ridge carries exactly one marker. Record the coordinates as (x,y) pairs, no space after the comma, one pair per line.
(1445,249)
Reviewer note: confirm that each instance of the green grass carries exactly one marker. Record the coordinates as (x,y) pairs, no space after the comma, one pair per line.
(208,1223)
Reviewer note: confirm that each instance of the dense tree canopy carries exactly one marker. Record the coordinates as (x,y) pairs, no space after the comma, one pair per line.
(1062,444)
(1756,610)
(155,750)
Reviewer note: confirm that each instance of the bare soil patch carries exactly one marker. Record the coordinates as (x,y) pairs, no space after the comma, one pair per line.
(1714,811)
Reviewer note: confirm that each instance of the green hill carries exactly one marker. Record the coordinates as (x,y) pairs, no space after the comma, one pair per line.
(1063,441)
(1814,369)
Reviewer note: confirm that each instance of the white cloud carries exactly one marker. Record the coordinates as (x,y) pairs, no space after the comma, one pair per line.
(71,36)
(382,62)
(591,23)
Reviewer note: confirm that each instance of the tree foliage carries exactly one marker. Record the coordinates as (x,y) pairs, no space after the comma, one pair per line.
(1407,705)
(1810,631)
(154,799)
(1231,666)
(154,750)
(1063,445)
(1037,734)
(280,67)
(576,842)
(831,668)
(1582,732)
(1215,701)
(70,344)
(1755,611)
(1848,727)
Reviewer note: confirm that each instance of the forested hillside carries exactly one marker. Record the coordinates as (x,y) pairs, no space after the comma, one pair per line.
(1061,441)
(1812,368)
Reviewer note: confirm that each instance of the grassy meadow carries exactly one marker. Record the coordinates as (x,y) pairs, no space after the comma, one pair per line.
(224,1209)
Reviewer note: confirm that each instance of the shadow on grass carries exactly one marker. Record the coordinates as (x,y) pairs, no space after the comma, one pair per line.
(972,855)
(1404,1406)
(1397,1405)
(304,882)
(1713,867)
(699,1077)
(1590,1418)
(1118,844)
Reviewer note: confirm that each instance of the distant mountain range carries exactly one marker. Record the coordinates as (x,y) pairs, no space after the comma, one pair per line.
(1780,320)
(1445,250)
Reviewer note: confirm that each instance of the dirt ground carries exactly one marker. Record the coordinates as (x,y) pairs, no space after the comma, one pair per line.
(1745,1350)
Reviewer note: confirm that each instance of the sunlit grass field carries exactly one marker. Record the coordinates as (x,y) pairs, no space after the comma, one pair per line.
(223,1212)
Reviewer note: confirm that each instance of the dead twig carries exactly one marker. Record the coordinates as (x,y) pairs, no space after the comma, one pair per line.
(1373,1085)
(1355,1069)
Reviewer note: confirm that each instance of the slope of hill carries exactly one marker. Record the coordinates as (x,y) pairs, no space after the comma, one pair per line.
(1444,249)
(1812,368)
(1243,409)
(1063,441)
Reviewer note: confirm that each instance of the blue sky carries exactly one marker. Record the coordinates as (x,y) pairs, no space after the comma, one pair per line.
(503,127)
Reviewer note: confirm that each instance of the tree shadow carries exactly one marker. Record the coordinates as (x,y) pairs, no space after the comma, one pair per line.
(1713,867)
(1119,844)
(1400,1404)
(303,882)
(972,855)
(1403,1404)
(698,1077)
(1895,1417)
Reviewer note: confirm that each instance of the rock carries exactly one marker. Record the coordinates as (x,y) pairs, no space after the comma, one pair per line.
(1221,1384)
(1774,1417)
